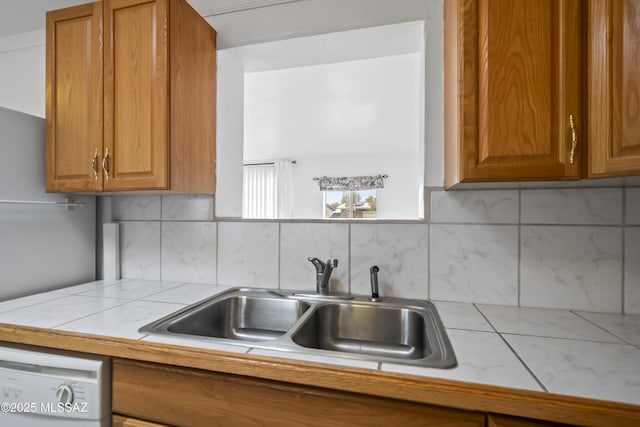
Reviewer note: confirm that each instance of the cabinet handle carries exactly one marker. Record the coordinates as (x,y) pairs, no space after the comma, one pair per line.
(574,139)
(105,164)
(94,163)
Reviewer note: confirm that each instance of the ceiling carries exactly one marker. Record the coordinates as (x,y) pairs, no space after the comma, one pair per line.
(352,45)
(21,16)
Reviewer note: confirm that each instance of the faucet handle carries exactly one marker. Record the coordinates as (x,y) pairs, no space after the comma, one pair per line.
(332,262)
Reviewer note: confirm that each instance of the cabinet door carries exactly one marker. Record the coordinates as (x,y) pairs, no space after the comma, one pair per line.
(135,95)
(518,83)
(74,98)
(614,87)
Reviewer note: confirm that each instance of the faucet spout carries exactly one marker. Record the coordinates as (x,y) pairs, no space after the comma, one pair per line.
(319,265)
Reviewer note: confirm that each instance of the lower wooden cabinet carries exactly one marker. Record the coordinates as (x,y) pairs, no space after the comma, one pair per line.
(155,395)
(118,421)
(190,397)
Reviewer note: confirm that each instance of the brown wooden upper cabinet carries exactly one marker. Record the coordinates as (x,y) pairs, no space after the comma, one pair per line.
(613,91)
(523,102)
(131,98)
(512,72)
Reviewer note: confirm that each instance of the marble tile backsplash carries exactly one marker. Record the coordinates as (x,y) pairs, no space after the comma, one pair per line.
(474,263)
(475,207)
(401,252)
(552,248)
(192,244)
(572,267)
(140,250)
(300,241)
(595,206)
(248,254)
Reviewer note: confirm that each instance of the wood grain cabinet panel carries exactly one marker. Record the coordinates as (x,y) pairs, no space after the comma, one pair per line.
(135,87)
(74,98)
(190,397)
(614,87)
(119,421)
(513,81)
(148,109)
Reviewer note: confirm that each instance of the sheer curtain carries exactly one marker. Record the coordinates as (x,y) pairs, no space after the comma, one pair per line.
(268,190)
(259,191)
(284,184)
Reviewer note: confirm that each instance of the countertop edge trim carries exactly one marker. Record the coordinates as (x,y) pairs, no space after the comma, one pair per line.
(427,390)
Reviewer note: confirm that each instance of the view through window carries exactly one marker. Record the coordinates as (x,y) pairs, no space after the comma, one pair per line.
(350,204)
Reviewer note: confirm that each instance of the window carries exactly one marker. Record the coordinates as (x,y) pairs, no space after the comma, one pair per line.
(340,105)
(350,204)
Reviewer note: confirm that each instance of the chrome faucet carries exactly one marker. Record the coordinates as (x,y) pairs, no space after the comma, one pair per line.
(323,273)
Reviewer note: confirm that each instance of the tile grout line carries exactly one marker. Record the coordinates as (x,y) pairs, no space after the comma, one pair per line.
(519,266)
(427,217)
(602,328)
(582,340)
(526,366)
(217,257)
(93,313)
(349,257)
(279,256)
(475,305)
(429,250)
(535,224)
(161,230)
(537,380)
(58,295)
(624,252)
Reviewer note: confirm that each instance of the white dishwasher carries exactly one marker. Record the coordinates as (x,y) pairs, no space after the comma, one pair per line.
(45,387)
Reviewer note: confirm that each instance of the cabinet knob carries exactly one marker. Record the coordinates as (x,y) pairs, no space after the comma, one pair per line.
(574,140)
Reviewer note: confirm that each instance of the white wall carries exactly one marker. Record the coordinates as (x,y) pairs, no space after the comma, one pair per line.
(311,17)
(353,107)
(22,72)
(42,247)
(229,135)
(341,119)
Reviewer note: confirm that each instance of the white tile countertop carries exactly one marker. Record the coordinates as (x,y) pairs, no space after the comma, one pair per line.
(573,353)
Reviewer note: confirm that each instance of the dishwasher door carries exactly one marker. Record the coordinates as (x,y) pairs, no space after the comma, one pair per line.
(44,387)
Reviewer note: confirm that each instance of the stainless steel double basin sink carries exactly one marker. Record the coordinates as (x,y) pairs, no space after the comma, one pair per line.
(392,330)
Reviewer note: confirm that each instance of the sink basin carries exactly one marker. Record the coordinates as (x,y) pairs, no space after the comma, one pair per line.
(394,330)
(239,317)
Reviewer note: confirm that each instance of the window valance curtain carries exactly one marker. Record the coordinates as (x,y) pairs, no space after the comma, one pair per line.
(350,183)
